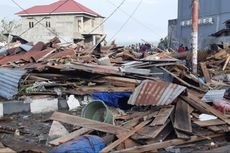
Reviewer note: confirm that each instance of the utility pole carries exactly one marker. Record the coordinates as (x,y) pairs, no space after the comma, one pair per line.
(195,19)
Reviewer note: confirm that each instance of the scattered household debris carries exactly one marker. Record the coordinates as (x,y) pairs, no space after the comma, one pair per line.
(120,98)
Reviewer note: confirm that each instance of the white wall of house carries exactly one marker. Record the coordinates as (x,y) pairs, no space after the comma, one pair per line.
(68,27)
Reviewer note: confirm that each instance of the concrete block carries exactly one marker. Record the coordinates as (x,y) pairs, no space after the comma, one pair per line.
(13,107)
(44,105)
(1,109)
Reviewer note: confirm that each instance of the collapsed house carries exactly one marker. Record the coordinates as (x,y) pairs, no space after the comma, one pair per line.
(94,98)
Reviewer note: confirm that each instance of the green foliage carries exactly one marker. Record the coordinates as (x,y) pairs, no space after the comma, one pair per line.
(7,26)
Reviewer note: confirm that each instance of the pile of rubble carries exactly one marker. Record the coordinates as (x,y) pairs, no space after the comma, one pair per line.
(132,101)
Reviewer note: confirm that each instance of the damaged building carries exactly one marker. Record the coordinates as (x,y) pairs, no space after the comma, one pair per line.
(46,21)
(213,23)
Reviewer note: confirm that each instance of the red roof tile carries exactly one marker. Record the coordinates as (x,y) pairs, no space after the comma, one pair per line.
(61,6)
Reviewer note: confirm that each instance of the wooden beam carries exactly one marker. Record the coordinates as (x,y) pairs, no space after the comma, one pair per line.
(69,136)
(45,56)
(205,72)
(165,144)
(87,123)
(226,63)
(194,104)
(124,137)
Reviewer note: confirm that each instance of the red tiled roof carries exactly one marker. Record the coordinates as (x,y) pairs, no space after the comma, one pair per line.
(61,6)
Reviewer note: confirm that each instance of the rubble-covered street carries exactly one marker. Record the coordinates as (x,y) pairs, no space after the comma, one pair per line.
(56,95)
(73,80)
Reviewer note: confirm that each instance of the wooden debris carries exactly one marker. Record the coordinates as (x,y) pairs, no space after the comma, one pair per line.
(150,132)
(205,72)
(226,63)
(87,123)
(69,136)
(209,108)
(165,144)
(162,116)
(182,117)
(124,137)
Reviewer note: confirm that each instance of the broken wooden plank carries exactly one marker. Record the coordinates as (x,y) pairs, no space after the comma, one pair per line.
(124,137)
(87,123)
(182,120)
(205,72)
(195,105)
(209,123)
(162,116)
(165,144)
(162,135)
(180,80)
(69,136)
(209,108)
(150,132)
(226,62)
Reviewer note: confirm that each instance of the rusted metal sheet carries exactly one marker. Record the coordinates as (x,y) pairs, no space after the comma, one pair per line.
(35,55)
(65,53)
(38,47)
(155,93)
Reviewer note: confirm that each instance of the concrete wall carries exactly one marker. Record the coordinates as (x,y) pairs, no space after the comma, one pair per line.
(68,27)
(217,10)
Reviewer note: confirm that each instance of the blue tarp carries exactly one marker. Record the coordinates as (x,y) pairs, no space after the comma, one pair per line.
(115,99)
(83,144)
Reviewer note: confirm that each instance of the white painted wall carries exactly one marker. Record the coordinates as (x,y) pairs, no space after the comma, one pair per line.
(67,27)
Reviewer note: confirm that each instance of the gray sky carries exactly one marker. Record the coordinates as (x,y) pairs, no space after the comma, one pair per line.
(149,22)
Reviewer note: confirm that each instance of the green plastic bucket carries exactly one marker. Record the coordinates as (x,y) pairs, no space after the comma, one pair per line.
(98,111)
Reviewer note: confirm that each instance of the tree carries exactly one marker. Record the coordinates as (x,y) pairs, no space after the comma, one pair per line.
(163,44)
(7,26)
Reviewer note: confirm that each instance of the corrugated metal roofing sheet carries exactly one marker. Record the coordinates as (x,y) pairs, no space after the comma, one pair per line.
(9,79)
(155,93)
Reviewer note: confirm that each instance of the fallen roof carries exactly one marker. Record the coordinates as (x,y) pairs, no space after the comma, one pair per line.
(59,7)
(155,93)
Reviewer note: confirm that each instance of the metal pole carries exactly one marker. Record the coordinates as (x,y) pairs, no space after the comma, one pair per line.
(195,18)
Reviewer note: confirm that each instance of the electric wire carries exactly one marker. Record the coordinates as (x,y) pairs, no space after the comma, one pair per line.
(128,19)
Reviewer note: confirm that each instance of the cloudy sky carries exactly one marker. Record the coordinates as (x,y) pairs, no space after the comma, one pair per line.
(148,23)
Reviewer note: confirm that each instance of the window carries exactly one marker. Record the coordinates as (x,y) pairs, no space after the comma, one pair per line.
(31,24)
(48,24)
